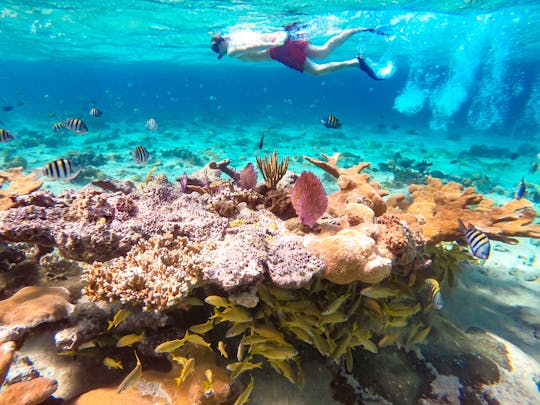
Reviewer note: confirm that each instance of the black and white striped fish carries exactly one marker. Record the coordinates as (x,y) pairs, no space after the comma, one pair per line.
(58,127)
(477,240)
(151,124)
(60,169)
(76,125)
(331,122)
(435,294)
(140,154)
(6,135)
(96,112)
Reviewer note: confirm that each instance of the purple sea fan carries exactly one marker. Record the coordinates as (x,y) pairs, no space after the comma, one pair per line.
(248,177)
(309,198)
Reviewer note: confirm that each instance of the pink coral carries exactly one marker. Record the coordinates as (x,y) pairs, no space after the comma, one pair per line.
(248,177)
(309,198)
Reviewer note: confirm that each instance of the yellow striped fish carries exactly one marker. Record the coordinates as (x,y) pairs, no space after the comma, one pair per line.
(331,122)
(6,135)
(435,293)
(477,240)
(76,125)
(140,154)
(58,127)
(61,169)
(96,112)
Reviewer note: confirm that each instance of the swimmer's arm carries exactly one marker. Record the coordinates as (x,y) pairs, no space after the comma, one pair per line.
(267,41)
(263,46)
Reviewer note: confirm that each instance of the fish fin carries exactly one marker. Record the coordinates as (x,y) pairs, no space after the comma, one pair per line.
(462,227)
(75,174)
(38,173)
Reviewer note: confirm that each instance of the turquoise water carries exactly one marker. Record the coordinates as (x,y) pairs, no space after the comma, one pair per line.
(465,98)
(465,75)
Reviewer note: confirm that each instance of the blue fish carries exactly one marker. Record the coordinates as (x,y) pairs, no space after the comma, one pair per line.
(533,168)
(477,240)
(521,189)
(331,122)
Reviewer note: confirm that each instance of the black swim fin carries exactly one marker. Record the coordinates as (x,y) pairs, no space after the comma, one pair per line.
(366,68)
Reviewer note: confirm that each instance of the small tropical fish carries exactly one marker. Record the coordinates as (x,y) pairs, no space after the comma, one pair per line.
(222,349)
(477,240)
(151,124)
(533,168)
(217,301)
(378,291)
(514,156)
(140,154)
(58,127)
(261,141)
(19,103)
(61,169)
(203,327)
(334,306)
(6,135)
(241,366)
(170,346)
(233,314)
(119,317)
(130,339)
(96,112)
(331,122)
(188,368)
(208,383)
(435,293)
(244,396)
(521,189)
(76,125)
(111,363)
(132,377)
(7,108)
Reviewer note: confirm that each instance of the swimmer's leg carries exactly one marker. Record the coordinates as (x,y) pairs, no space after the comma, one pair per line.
(321,52)
(319,69)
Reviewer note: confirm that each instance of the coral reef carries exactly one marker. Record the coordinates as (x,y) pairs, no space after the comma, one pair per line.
(435,208)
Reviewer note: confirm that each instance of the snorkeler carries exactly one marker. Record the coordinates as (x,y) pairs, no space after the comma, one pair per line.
(293,50)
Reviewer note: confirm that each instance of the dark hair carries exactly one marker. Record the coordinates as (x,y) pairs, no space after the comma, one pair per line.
(216,40)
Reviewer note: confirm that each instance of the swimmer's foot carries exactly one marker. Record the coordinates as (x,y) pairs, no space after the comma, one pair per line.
(366,68)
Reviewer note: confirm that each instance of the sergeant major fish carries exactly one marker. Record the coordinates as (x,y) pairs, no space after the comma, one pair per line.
(58,127)
(477,240)
(140,154)
(96,112)
(435,293)
(6,135)
(533,168)
(331,122)
(151,124)
(76,125)
(60,169)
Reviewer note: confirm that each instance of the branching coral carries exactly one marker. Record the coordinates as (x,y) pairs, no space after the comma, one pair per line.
(436,207)
(272,170)
(354,185)
(19,184)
